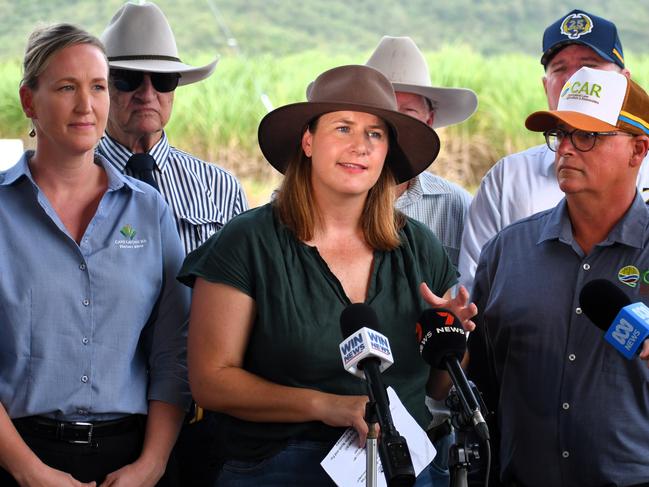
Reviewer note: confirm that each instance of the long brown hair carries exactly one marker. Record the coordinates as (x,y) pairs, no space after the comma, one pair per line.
(294,204)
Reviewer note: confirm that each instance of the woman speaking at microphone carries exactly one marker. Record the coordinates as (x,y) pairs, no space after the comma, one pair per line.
(269,288)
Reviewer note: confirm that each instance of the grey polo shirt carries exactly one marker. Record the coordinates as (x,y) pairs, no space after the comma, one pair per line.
(571,410)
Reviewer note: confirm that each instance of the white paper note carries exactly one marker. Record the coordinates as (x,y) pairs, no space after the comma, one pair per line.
(345,463)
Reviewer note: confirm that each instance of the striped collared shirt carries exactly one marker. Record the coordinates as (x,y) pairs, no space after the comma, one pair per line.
(203,197)
(441,206)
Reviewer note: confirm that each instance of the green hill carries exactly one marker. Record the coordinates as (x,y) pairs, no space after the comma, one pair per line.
(336,26)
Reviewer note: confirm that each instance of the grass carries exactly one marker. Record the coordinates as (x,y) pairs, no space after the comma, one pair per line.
(217,119)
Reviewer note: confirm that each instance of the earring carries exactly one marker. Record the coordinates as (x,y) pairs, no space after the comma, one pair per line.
(32,132)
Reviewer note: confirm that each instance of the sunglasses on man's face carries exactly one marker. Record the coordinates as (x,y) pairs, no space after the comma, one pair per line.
(127,81)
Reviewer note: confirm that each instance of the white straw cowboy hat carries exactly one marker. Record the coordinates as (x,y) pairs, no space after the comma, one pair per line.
(139,38)
(401,61)
(413,144)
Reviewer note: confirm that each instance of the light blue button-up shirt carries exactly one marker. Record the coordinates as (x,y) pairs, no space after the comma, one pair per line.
(90,331)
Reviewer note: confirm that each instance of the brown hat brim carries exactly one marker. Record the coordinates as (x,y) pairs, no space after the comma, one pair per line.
(546,120)
(413,146)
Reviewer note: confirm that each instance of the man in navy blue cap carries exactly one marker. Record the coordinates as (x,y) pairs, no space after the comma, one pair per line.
(522,184)
(579,27)
(576,40)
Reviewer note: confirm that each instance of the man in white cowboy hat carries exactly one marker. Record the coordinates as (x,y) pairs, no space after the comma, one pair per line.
(571,409)
(434,201)
(438,203)
(144,72)
(521,184)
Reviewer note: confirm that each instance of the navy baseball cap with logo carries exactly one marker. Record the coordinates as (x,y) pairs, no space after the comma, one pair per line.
(579,27)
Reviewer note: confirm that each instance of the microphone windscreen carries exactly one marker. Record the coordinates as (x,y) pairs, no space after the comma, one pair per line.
(441,335)
(356,316)
(601,301)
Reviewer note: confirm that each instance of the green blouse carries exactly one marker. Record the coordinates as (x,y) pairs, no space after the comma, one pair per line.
(296,332)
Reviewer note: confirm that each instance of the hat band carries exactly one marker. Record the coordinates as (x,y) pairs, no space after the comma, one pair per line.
(635,121)
(144,57)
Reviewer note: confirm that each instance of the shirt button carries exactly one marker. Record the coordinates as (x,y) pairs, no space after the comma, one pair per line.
(572,357)
(565,454)
(84,378)
(82,267)
(565,405)
(586,267)
(85,340)
(82,411)
(578,311)
(85,302)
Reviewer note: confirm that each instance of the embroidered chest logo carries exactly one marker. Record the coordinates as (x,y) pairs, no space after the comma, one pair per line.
(128,231)
(129,241)
(629,275)
(576,25)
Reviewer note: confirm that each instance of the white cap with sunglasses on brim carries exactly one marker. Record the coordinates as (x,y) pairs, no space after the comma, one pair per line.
(594,100)
(139,38)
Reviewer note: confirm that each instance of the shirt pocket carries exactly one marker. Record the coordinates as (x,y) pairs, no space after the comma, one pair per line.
(614,362)
(199,227)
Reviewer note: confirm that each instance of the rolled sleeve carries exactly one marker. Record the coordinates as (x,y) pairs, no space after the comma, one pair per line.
(168,326)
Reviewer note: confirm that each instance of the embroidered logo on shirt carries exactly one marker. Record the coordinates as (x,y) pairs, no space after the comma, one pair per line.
(129,241)
(629,275)
(128,231)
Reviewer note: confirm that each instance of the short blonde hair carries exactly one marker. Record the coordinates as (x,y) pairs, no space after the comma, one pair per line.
(44,42)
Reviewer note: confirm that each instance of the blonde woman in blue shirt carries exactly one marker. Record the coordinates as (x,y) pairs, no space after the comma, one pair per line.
(92,320)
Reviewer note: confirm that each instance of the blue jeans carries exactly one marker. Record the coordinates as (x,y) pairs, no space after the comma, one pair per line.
(439,473)
(296,465)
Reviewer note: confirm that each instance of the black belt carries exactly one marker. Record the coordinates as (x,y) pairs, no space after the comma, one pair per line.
(79,432)
(439,431)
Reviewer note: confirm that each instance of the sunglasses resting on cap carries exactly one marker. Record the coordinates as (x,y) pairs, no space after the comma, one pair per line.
(127,80)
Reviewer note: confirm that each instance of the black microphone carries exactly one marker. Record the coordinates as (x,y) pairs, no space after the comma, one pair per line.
(442,344)
(626,324)
(359,319)
(601,301)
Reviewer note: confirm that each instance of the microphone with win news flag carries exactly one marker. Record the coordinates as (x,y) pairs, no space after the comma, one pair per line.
(366,353)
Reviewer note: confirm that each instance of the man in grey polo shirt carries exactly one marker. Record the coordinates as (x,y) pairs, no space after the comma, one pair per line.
(570,409)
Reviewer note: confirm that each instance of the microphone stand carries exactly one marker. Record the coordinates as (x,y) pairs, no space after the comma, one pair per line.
(371,445)
(393,448)
(465,449)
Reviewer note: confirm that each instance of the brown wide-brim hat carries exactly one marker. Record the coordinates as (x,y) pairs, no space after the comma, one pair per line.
(413,144)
